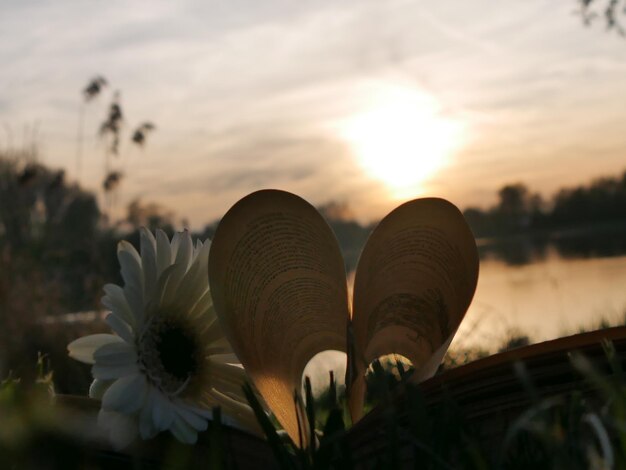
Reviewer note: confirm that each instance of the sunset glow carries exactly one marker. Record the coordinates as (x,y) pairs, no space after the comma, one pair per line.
(401,138)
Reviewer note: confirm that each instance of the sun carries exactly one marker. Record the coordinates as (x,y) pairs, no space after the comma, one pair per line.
(401,138)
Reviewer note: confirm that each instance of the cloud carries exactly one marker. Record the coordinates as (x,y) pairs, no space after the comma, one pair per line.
(243,92)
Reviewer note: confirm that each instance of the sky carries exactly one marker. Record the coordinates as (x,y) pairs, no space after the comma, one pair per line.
(365,102)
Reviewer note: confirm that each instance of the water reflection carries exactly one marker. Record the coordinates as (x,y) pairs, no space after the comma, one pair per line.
(546,287)
(525,249)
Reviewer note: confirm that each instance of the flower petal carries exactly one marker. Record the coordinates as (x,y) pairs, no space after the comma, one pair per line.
(148,261)
(183,431)
(115,300)
(130,264)
(195,281)
(115,354)
(110,372)
(182,247)
(162,412)
(175,244)
(147,430)
(193,419)
(120,327)
(227,378)
(202,307)
(82,349)
(160,290)
(98,387)
(219,345)
(164,252)
(126,395)
(185,249)
(196,249)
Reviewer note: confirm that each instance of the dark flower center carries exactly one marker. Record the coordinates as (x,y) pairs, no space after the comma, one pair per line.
(177,352)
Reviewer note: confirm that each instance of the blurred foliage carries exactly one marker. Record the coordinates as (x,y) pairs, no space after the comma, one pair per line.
(94,87)
(565,431)
(609,12)
(33,434)
(57,250)
(141,132)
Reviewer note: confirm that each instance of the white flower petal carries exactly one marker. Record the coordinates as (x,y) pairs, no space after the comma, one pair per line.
(175,244)
(98,387)
(228,379)
(130,264)
(120,327)
(202,307)
(126,395)
(194,420)
(162,412)
(148,262)
(228,358)
(195,281)
(162,283)
(196,249)
(167,279)
(147,430)
(82,349)
(217,346)
(228,387)
(115,300)
(185,248)
(170,298)
(109,372)
(206,414)
(164,252)
(183,431)
(115,354)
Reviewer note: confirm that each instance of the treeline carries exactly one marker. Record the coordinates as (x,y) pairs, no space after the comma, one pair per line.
(57,250)
(518,210)
(56,243)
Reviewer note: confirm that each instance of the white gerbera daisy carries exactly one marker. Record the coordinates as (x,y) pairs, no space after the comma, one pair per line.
(169,363)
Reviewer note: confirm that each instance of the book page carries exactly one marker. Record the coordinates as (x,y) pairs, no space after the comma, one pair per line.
(414,282)
(278,283)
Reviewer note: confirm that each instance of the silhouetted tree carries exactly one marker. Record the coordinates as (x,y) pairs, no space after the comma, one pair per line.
(608,11)
(150,215)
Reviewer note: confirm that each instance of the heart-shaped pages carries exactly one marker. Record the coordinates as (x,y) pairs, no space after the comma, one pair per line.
(278,283)
(414,282)
(279,288)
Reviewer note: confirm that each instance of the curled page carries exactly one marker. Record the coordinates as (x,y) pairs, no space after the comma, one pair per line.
(278,283)
(414,282)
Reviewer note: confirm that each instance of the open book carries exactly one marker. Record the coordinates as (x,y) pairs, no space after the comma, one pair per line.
(279,288)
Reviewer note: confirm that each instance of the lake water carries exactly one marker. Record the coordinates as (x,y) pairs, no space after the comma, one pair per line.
(546,288)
